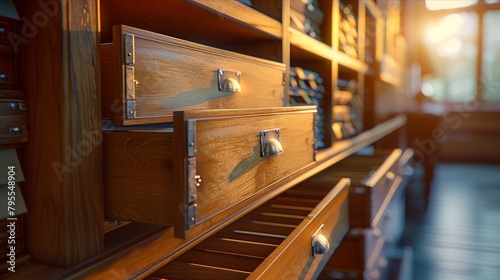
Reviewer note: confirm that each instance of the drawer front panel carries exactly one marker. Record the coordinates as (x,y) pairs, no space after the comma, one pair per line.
(228,161)
(7,66)
(372,177)
(381,182)
(295,257)
(158,74)
(13,127)
(390,184)
(6,28)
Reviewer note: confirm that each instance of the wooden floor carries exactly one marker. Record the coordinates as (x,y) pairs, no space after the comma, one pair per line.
(458,236)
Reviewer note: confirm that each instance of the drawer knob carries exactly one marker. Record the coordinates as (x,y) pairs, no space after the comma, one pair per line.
(320,243)
(15,130)
(228,81)
(269,143)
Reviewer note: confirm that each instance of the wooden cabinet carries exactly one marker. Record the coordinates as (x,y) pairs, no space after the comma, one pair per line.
(81,191)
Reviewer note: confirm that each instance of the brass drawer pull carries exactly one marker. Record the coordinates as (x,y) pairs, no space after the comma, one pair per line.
(320,244)
(228,81)
(269,143)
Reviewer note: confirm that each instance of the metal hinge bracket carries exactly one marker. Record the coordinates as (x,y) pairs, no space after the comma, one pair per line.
(129,75)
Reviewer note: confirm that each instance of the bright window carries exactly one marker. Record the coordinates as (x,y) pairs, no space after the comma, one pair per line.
(452,50)
(491,56)
(435,5)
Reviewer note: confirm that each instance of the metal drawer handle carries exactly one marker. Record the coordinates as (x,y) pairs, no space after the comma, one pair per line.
(15,130)
(228,81)
(230,85)
(320,244)
(269,143)
(273,147)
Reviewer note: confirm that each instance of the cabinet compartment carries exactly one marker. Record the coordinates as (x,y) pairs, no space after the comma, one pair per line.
(13,127)
(276,240)
(151,75)
(210,162)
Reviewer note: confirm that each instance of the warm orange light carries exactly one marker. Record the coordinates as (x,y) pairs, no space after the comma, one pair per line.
(446,27)
(450,48)
(434,5)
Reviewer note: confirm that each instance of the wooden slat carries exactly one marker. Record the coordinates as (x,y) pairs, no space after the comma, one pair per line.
(276,209)
(184,271)
(220,259)
(249,237)
(311,192)
(270,218)
(241,247)
(253,228)
(300,202)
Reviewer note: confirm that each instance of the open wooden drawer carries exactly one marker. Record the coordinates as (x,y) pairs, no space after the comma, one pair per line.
(212,163)
(289,237)
(374,178)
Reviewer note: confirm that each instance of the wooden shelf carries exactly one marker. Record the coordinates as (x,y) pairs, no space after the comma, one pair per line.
(244,15)
(350,62)
(310,44)
(225,22)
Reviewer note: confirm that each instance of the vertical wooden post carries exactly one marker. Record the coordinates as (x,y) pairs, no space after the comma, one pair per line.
(285,45)
(58,43)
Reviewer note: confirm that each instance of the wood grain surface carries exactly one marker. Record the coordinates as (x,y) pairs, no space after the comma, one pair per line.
(237,171)
(172,74)
(137,175)
(295,254)
(63,163)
